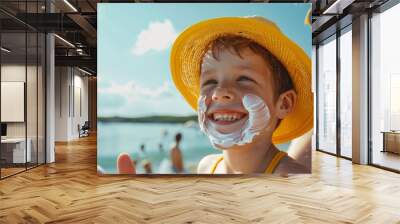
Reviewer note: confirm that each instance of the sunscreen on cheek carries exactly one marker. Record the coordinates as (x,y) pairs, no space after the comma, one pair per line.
(201,112)
(258,120)
(259,116)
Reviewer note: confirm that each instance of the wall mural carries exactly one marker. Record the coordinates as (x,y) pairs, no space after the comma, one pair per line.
(204,88)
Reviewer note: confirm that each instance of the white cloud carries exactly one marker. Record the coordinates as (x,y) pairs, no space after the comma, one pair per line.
(157,36)
(133,99)
(133,91)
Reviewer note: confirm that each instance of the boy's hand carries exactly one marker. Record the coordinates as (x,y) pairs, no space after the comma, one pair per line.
(125,164)
(100,170)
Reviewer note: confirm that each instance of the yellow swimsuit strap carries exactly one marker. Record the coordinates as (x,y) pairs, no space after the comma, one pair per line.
(214,167)
(270,169)
(275,162)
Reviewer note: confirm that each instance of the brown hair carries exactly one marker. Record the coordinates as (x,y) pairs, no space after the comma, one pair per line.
(178,137)
(237,44)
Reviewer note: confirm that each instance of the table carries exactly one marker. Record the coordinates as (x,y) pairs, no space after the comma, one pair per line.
(391,141)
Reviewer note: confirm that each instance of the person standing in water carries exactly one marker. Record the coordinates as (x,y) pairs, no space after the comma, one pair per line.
(176,155)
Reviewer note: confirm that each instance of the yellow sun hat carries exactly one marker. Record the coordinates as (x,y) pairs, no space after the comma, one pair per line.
(307,20)
(191,45)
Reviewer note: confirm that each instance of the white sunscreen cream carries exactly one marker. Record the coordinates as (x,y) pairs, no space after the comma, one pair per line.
(258,118)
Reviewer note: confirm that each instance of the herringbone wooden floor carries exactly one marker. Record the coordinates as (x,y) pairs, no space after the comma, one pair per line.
(70,191)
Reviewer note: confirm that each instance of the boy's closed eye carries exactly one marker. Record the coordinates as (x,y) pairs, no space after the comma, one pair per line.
(209,82)
(241,78)
(244,78)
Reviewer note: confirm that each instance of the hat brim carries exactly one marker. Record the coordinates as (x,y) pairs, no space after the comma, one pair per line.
(190,47)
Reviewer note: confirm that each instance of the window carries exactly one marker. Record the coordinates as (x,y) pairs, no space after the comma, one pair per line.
(346,93)
(385,89)
(22,76)
(327,96)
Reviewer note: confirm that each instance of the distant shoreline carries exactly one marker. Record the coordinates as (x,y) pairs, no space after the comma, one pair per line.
(150,119)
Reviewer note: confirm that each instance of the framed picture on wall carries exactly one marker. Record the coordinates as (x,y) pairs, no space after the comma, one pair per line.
(12,101)
(204,88)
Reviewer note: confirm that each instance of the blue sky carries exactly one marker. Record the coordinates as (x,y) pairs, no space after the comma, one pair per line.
(134,43)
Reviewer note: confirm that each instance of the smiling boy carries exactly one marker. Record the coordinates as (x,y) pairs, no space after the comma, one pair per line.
(251,86)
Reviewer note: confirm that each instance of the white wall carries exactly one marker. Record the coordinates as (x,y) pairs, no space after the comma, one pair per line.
(71,94)
(80,110)
(16,73)
(33,126)
(61,103)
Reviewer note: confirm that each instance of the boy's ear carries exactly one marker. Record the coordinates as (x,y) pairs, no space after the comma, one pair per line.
(285,103)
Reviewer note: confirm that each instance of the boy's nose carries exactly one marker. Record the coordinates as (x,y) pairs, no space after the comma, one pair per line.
(222,95)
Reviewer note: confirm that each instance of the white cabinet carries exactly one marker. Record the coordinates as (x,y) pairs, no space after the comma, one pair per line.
(18,149)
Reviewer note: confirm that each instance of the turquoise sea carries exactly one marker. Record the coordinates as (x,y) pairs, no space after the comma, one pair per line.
(114,138)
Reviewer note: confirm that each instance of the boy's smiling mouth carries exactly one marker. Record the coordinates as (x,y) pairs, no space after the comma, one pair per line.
(233,124)
(226,117)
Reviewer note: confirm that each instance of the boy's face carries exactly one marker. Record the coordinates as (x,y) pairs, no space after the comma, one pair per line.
(224,82)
